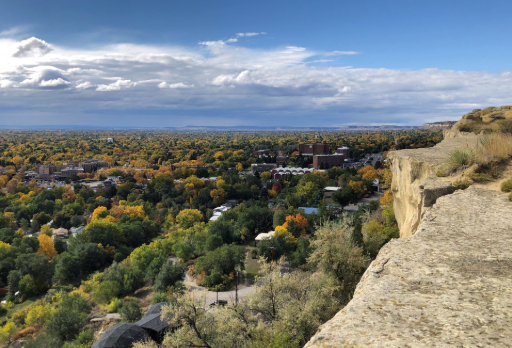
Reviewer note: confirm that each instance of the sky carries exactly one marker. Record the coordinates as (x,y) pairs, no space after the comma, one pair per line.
(253,63)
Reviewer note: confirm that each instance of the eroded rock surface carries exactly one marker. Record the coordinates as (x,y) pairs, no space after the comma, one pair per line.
(415,185)
(449,285)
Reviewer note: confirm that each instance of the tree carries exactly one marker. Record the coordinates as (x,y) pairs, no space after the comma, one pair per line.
(219,196)
(104,233)
(188,217)
(344,196)
(265,176)
(131,311)
(170,274)
(336,255)
(46,230)
(46,246)
(296,303)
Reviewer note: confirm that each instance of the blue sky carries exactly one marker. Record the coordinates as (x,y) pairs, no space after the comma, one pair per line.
(275,63)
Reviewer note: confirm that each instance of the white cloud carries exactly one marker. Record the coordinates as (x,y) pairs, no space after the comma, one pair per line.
(249,34)
(340,53)
(84,85)
(32,47)
(116,86)
(234,39)
(6,83)
(177,85)
(234,80)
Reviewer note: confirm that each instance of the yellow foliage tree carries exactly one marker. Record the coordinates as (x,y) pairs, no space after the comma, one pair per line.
(6,331)
(239,167)
(265,176)
(387,198)
(368,172)
(97,213)
(219,196)
(357,186)
(38,315)
(46,246)
(188,217)
(20,233)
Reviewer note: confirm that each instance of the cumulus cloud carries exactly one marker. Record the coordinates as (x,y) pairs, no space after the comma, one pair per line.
(265,85)
(32,47)
(116,86)
(43,76)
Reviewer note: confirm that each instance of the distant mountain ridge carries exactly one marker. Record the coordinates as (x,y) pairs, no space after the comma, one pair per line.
(206,128)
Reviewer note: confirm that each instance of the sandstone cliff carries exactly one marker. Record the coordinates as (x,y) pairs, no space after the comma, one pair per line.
(448,283)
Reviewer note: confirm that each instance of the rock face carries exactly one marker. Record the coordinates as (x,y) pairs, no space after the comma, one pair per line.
(449,285)
(415,185)
(481,119)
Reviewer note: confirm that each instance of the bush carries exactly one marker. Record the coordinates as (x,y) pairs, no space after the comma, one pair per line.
(131,311)
(106,291)
(506,186)
(510,197)
(462,184)
(461,157)
(159,297)
(480,177)
(253,253)
(66,323)
(114,306)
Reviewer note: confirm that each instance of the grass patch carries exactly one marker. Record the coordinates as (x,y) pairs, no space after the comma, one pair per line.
(461,157)
(481,177)
(252,269)
(462,184)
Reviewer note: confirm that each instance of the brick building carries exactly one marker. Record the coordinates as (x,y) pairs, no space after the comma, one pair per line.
(336,159)
(261,153)
(313,149)
(262,167)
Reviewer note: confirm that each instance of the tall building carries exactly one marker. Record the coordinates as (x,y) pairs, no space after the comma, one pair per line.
(313,149)
(327,161)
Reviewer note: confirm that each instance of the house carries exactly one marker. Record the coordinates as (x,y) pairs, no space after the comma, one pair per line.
(60,233)
(263,236)
(75,230)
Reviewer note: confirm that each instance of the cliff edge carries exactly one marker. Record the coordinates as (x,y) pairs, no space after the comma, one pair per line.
(449,285)
(447,282)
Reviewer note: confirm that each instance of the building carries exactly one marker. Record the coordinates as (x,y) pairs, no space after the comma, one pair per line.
(261,153)
(327,161)
(328,192)
(262,167)
(48,168)
(281,159)
(313,149)
(70,172)
(90,166)
(279,173)
(344,151)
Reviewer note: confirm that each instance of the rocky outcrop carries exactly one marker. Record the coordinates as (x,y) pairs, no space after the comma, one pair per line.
(415,185)
(487,118)
(449,285)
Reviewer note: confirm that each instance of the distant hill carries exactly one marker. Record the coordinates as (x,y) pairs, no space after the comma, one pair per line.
(439,125)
